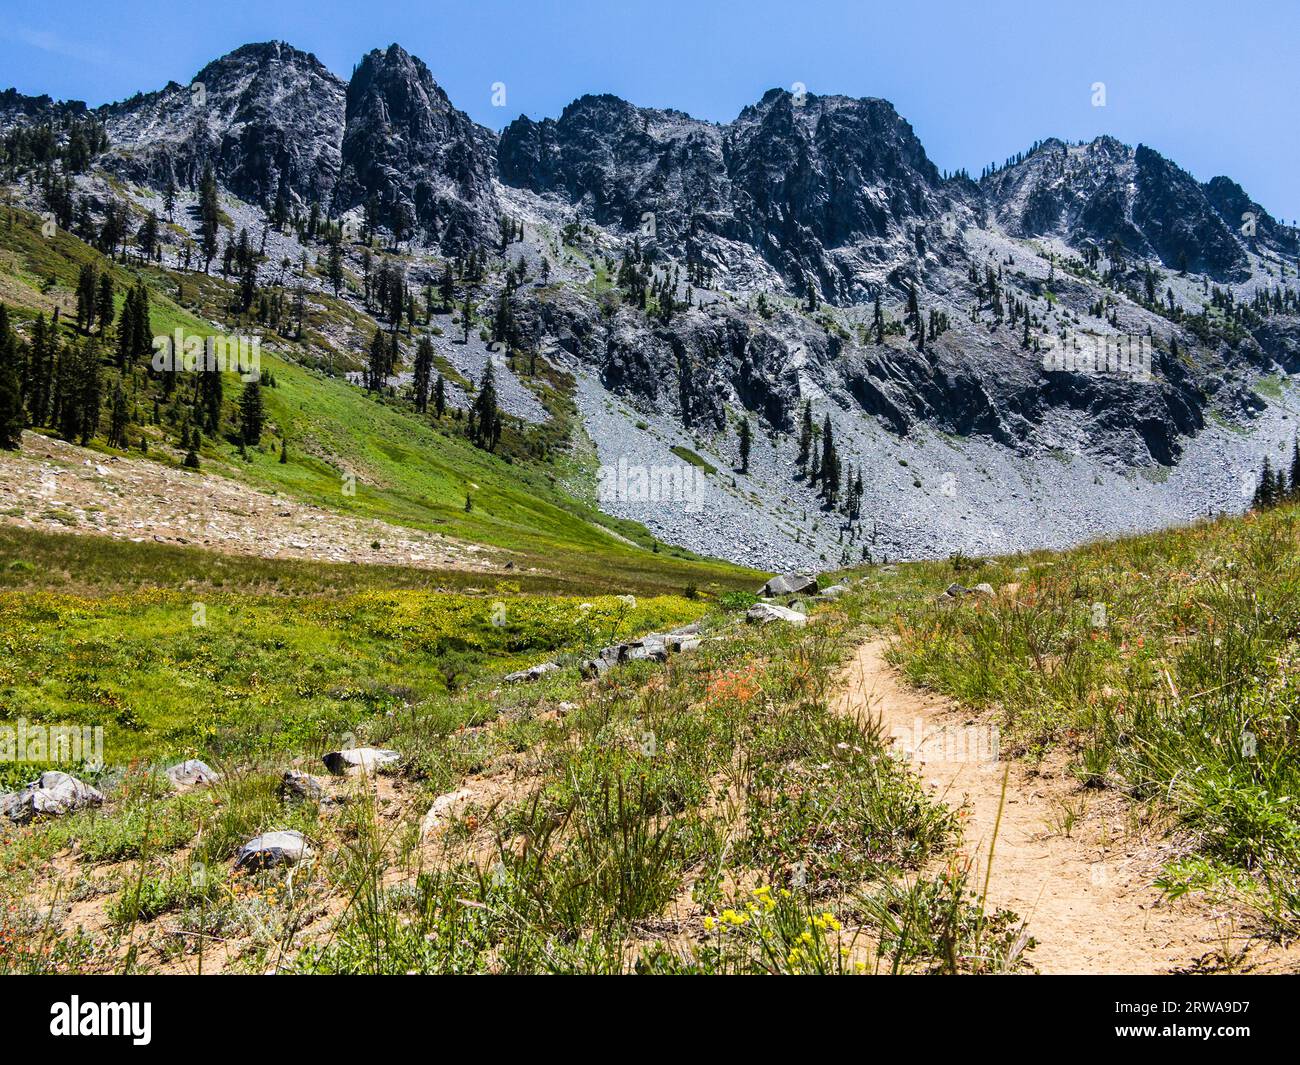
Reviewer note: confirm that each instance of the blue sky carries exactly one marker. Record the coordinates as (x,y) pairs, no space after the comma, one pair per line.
(1213,86)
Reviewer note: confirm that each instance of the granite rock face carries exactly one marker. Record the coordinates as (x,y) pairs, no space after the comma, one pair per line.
(426,164)
(267,118)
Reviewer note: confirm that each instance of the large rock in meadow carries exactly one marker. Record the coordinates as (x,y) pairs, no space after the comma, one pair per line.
(52,794)
(360,760)
(532,673)
(284,847)
(296,786)
(192,773)
(441,810)
(766,613)
(790,584)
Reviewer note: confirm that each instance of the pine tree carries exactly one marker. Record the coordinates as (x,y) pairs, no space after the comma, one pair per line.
(447,289)
(830,464)
(126,330)
(377,367)
(805,437)
(209,217)
(142,343)
(148,236)
(439,397)
(87,289)
(12,416)
(40,371)
(484,415)
(210,399)
(1264,493)
(284,452)
(1293,493)
(104,302)
(251,415)
(423,367)
(79,392)
(745,442)
(119,417)
(335,264)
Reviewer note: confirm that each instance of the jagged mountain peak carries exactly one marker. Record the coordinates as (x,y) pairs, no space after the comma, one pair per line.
(265,53)
(1131,200)
(266,117)
(422,162)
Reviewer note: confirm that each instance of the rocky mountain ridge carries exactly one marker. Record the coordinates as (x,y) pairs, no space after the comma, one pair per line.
(809,252)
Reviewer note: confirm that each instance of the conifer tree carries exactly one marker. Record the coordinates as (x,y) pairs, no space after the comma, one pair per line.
(484,415)
(79,392)
(251,415)
(210,399)
(119,417)
(1293,491)
(87,290)
(104,302)
(209,217)
(1264,494)
(12,416)
(805,437)
(439,397)
(377,367)
(334,269)
(830,464)
(126,330)
(745,442)
(422,368)
(40,371)
(447,289)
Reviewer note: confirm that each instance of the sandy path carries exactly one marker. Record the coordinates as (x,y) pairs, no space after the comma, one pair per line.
(1087,897)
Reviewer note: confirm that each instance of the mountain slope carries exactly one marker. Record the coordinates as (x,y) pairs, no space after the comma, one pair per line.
(1086,339)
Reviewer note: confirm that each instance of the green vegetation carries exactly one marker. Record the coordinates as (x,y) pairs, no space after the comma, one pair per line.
(722,787)
(1163,665)
(698,461)
(715,814)
(230,674)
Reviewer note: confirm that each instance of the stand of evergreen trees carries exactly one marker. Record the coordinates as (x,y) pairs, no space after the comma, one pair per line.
(1280,486)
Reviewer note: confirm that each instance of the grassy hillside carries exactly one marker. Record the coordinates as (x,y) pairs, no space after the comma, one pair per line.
(354,452)
(230,675)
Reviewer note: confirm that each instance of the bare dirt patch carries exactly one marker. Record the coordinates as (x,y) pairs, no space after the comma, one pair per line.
(55,486)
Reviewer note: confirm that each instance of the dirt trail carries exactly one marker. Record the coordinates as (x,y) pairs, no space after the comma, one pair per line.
(1087,897)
